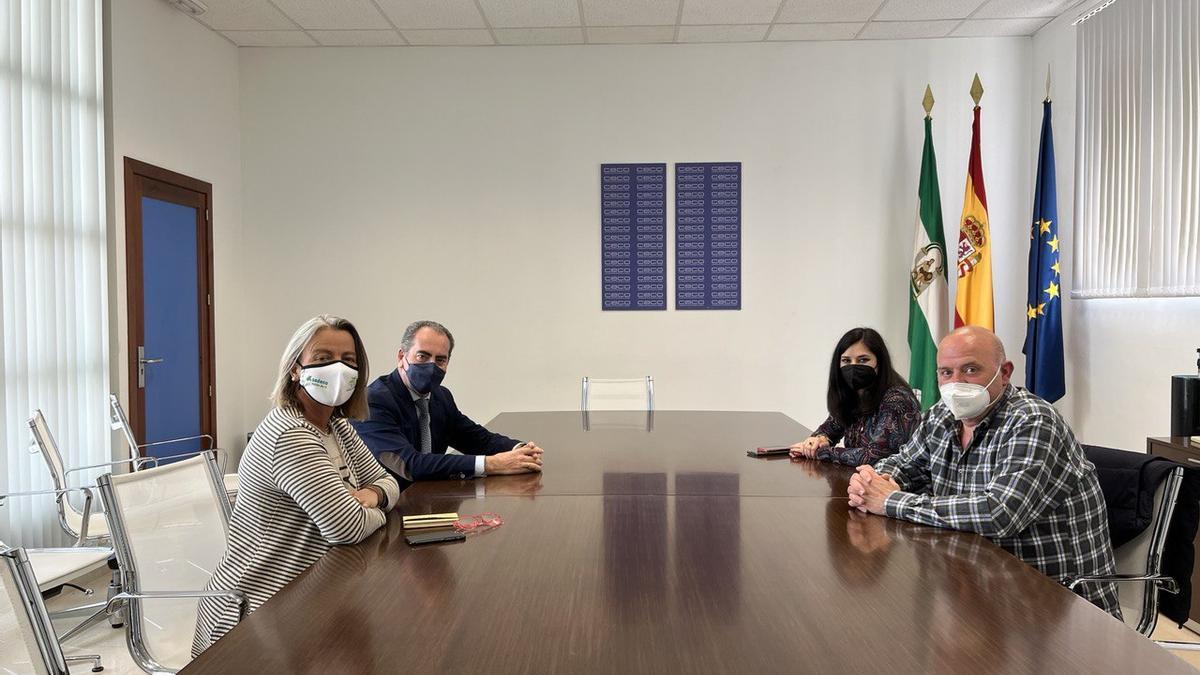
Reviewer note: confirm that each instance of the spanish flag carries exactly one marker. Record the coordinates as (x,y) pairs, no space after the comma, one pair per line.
(973,302)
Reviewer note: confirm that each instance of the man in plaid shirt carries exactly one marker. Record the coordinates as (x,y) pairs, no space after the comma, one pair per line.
(999,461)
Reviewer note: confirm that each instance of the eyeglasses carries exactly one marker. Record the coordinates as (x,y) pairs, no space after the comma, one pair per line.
(480,523)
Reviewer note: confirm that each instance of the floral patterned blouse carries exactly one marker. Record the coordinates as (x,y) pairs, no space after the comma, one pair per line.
(873,437)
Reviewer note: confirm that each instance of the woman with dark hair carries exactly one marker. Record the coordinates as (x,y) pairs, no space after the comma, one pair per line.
(871,407)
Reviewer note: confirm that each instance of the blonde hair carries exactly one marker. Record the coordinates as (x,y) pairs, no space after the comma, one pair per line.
(285,392)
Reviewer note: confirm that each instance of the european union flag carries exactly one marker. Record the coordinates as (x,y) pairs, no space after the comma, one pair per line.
(1043,333)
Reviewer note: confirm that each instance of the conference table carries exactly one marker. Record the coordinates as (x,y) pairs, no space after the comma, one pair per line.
(652,543)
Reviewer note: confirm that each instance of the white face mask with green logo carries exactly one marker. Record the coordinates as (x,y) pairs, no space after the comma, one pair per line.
(330,383)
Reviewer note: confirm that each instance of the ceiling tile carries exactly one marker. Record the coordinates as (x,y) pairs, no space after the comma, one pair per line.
(1011,9)
(899,30)
(739,33)
(916,10)
(630,12)
(455,37)
(727,12)
(806,11)
(999,27)
(244,15)
(269,38)
(432,13)
(530,13)
(539,36)
(631,35)
(814,31)
(356,38)
(343,14)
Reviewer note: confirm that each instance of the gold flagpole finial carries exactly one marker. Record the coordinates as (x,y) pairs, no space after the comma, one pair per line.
(927,102)
(976,89)
(1047,83)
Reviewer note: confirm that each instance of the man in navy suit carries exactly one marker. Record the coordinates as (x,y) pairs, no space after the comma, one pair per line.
(414,419)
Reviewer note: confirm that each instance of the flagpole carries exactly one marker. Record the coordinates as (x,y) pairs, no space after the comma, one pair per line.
(976,90)
(927,102)
(1047,83)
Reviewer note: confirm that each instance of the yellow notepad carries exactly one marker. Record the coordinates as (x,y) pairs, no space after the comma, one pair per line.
(428,521)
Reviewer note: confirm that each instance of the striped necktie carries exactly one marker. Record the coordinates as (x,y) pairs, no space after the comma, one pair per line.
(423,419)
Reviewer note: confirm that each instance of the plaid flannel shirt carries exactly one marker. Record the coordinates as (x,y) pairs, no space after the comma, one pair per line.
(1022,482)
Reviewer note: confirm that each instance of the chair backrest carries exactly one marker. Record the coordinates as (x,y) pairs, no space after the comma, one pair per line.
(69,518)
(617,394)
(120,422)
(170,525)
(1142,556)
(30,643)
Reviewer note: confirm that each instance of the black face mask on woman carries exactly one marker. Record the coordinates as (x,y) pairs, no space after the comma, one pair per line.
(858,376)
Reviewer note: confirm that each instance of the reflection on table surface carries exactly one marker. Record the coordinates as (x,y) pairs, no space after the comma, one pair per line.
(683,555)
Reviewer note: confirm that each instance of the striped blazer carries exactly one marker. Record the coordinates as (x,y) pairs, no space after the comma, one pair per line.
(292,506)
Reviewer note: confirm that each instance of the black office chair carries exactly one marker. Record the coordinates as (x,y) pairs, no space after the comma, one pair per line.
(1139,576)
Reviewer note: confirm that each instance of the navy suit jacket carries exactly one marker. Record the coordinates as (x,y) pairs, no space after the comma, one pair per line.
(392,427)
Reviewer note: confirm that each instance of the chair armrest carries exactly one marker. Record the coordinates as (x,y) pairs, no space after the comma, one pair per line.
(158,595)
(58,496)
(181,439)
(221,454)
(1164,582)
(136,461)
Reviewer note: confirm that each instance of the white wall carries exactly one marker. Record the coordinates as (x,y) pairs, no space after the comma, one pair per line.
(174,104)
(1121,353)
(461,184)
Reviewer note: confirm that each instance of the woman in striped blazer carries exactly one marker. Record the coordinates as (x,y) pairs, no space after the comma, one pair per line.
(308,482)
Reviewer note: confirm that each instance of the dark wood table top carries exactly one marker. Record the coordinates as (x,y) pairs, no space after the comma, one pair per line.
(664,452)
(672,579)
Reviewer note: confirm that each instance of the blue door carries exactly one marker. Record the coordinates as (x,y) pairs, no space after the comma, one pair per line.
(172,389)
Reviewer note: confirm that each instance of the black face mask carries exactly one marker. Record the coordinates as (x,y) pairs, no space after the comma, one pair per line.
(858,376)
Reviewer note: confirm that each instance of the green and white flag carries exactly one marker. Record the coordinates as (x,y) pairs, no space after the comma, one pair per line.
(929,298)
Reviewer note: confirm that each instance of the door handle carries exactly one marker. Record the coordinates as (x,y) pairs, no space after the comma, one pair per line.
(141,366)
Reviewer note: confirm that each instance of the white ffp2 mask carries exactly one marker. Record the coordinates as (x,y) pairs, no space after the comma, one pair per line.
(966,400)
(330,383)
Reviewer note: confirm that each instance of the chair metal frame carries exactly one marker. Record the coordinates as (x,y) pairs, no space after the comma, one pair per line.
(132,596)
(120,420)
(48,447)
(60,493)
(98,609)
(1153,579)
(49,646)
(649,380)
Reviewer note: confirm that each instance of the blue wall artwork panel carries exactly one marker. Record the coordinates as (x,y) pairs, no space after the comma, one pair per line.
(633,236)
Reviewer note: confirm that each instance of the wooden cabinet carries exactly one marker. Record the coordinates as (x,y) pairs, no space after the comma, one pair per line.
(1180,449)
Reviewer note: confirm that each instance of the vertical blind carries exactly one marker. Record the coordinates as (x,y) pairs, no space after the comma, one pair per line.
(53,307)
(1137,229)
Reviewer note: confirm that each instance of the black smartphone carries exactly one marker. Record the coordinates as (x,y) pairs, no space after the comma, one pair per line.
(418,538)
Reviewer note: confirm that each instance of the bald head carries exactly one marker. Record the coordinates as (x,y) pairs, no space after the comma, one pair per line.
(977,341)
(974,355)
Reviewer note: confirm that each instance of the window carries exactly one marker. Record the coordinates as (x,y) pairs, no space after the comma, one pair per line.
(53,251)
(1137,230)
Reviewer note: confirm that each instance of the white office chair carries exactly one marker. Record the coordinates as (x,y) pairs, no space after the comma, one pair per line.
(617,394)
(27,636)
(170,527)
(1139,574)
(121,421)
(56,568)
(92,529)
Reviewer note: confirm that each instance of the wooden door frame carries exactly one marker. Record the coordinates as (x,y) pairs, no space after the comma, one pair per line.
(142,179)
